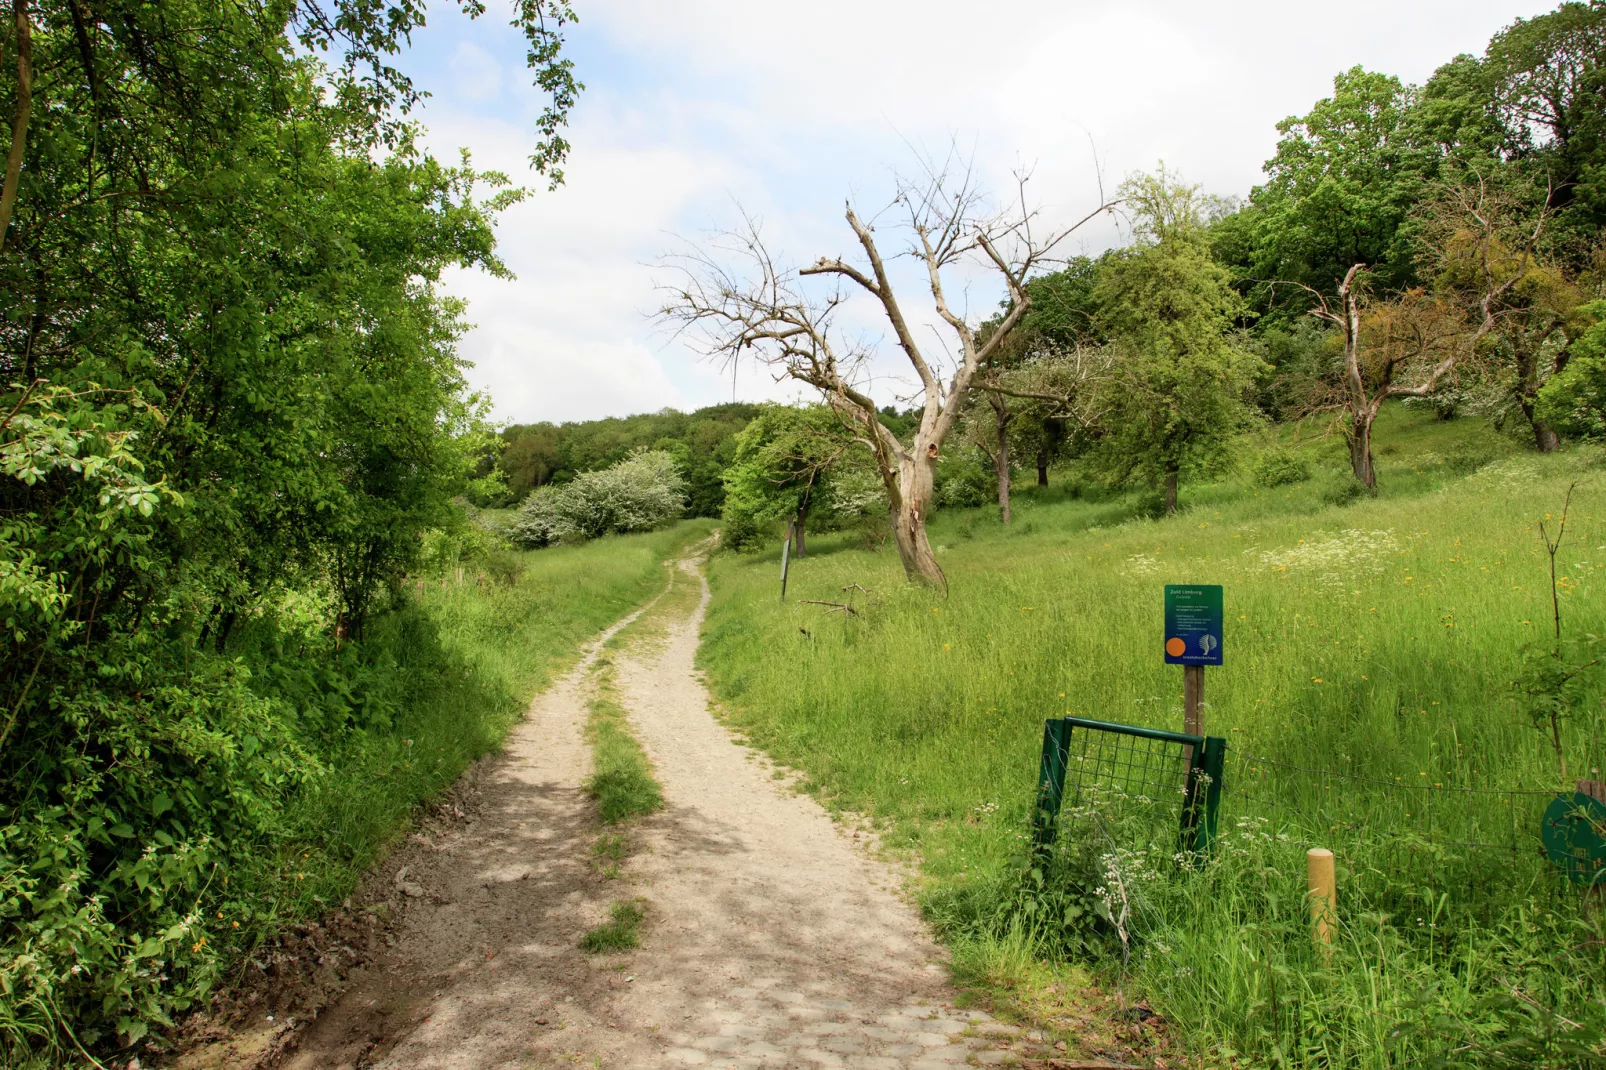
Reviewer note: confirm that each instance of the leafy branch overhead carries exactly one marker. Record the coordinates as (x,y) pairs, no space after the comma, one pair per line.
(231,408)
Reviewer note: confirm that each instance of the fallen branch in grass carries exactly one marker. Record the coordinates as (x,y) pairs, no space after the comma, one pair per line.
(845,608)
(842,607)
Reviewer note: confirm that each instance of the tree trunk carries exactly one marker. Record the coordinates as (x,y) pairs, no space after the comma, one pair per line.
(1171,492)
(1001,470)
(1042,468)
(917,476)
(798,526)
(19,119)
(1360,448)
(1545,438)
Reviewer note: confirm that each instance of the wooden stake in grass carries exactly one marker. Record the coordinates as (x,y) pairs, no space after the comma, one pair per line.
(1323,894)
(786,559)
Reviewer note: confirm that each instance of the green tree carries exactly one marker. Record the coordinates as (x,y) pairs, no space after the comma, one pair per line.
(1340,188)
(1573,401)
(781,471)
(1546,81)
(231,378)
(1178,381)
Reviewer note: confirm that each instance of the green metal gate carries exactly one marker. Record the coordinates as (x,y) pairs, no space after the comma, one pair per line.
(1169,773)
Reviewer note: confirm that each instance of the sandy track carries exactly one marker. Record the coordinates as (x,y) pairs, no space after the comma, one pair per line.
(772,939)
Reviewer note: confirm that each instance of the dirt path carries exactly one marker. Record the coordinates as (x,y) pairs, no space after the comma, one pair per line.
(773,940)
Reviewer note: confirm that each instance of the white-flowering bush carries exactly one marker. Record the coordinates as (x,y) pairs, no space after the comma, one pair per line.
(857,493)
(639,493)
(540,521)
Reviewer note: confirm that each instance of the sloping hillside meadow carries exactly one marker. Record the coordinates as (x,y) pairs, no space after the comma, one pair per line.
(1375,640)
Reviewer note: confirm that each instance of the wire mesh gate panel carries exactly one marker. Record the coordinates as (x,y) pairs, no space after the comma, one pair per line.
(1145,774)
(1473,843)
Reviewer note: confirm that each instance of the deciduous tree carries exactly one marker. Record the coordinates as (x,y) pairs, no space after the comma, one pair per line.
(762,310)
(1178,375)
(781,471)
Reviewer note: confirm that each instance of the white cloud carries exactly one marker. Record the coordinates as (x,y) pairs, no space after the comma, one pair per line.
(476,73)
(787,109)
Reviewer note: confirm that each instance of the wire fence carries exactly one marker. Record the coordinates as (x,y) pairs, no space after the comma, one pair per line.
(1471,845)
(1138,773)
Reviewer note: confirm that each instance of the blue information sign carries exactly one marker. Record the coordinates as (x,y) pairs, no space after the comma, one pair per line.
(1193,624)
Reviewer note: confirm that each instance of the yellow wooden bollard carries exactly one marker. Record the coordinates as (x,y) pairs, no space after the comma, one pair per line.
(1323,894)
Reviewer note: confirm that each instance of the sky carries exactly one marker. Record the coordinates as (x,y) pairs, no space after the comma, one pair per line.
(698,112)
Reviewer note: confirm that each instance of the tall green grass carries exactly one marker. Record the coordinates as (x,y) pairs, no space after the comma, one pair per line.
(1376,638)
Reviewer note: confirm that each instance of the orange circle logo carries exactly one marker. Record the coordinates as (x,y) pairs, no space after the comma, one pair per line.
(1175,647)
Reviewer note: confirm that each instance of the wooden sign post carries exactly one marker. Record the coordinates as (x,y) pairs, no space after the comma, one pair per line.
(786,559)
(1193,625)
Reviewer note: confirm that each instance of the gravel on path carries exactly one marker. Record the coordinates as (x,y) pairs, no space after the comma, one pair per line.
(772,938)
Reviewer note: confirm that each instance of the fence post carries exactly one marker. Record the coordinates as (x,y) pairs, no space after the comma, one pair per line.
(1050,783)
(1213,768)
(1323,892)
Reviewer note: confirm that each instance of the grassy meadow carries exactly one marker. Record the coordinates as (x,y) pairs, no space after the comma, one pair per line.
(1374,639)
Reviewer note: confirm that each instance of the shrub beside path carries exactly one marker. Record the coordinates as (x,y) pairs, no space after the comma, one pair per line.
(772,939)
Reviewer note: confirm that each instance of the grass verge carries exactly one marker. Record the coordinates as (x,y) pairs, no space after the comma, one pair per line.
(459,668)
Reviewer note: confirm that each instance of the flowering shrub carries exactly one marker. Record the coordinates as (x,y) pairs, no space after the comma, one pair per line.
(640,493)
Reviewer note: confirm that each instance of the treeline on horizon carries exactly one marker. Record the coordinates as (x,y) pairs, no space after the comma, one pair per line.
(1369,177)
(701,441)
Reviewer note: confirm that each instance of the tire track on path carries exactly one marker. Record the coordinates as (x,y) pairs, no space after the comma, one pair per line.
(775,941)
(772,940)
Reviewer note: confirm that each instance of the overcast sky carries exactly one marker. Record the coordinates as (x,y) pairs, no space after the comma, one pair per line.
(697,109)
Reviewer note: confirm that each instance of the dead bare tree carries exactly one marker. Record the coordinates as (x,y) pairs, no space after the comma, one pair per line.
(1484,243)
(1397,349)
(763,312)
(1483,247)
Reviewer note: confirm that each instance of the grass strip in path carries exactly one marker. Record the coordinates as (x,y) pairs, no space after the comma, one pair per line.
(622,930)
(622,780)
